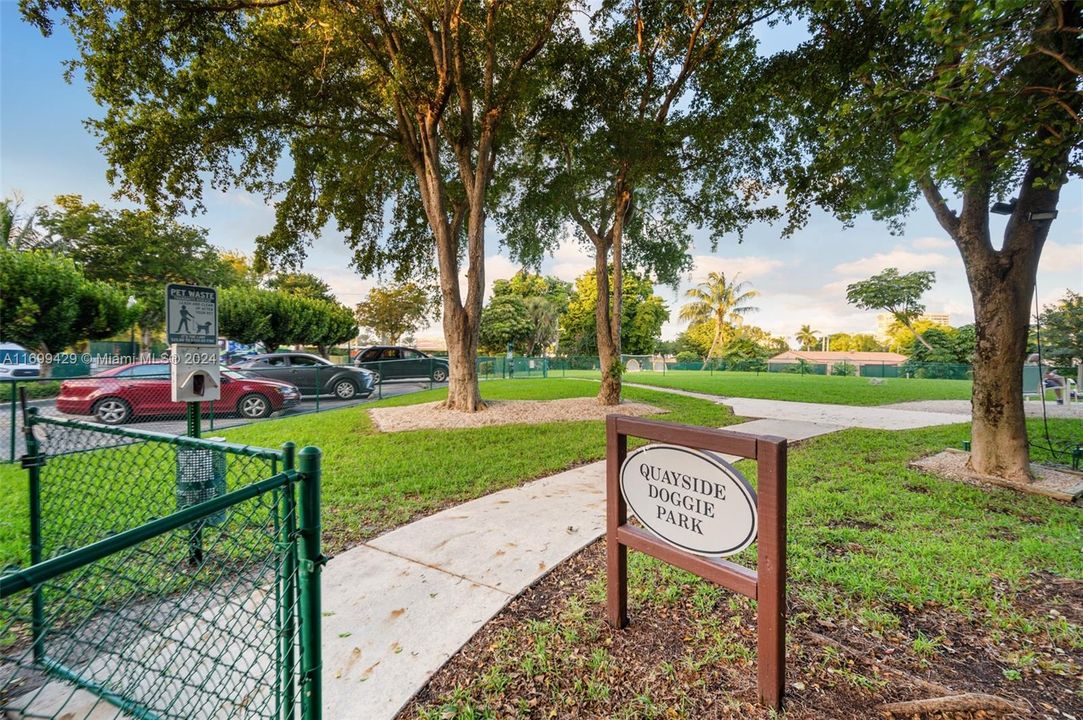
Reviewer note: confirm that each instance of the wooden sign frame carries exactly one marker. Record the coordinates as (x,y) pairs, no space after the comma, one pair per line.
(766,584)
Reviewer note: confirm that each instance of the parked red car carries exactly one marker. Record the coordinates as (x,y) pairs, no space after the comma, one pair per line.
(120,394)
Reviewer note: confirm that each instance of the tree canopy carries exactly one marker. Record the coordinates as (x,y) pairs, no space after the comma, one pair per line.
(275,318)
(644,313)
(505,320)
(137,251)
(398,310)
(303,284)
(1062,328)
(392,117)
(723,304)
(47,303)
(959,104)
(646,130)
(898,294)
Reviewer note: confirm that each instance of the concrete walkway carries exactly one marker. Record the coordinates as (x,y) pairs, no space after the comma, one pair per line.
(839,416)
(397,607)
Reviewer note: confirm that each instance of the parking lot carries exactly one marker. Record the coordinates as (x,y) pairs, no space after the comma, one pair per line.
(176,425)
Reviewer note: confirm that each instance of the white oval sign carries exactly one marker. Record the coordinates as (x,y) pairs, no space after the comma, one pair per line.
(692,499)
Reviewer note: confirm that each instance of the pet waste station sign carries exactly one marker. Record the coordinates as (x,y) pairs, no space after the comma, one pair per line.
(694,510)
(191,315)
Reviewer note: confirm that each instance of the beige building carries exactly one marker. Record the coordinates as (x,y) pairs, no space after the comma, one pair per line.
(832,358)
(886,320)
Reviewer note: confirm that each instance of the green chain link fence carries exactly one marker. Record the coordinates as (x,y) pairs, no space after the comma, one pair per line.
(156,576)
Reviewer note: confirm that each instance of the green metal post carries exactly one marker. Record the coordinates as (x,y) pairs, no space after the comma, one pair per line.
(310,560)
(195,538)
(33,463)
(193,419)
(287,603)
(319,388)
(14,412)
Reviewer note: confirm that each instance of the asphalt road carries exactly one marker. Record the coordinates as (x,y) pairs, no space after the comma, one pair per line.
(177,426)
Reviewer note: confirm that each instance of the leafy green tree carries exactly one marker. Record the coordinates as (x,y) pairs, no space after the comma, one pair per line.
(18,230)
(47,303)
(647,131)
(807,337)
(545,299)
(505,319)
(303,284)
(527,285)
(386,113)
(398,310)
(1062,331)
(275,318)
(959,104)
(898,294)
(544,317)
(135,250)
(720,302)
(644,314)
(858,342)
(939,346)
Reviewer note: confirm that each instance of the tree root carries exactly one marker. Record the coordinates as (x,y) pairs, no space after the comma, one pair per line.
(965,702)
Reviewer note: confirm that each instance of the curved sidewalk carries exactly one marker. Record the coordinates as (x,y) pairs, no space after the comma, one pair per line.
(397,607)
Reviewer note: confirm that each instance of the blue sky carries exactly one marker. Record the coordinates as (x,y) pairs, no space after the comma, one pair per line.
(45,150)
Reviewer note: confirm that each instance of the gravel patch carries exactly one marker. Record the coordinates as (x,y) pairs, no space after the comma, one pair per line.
(1063,485)
(962,407)
(501,412)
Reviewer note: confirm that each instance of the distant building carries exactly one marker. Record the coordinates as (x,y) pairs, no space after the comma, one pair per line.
(832,358)
(884,321)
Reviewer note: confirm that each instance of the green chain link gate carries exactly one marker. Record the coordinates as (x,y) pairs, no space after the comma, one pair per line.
(162,577)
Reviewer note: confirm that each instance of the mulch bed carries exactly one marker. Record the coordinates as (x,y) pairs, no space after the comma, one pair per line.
(833,672)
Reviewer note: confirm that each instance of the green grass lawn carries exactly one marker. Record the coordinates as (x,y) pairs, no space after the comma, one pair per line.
(372,481)
(798,388)
(908,572)
(375,481)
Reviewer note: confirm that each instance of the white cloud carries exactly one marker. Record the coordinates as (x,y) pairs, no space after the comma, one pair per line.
(904,260)
(571,260)
(932,243)
(747,267)
(1058,257)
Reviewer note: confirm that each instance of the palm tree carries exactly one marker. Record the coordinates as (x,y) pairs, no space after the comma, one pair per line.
(807,337)
(719,301)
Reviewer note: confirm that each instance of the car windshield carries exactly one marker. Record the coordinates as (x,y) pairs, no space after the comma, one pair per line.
(233,374)
(14,356)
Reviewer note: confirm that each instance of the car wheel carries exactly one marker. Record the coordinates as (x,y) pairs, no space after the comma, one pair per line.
(345,389)
(375,377)
(254,406)
(439,375)
(113,411)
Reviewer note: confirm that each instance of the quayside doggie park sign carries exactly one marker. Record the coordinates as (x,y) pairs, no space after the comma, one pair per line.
(697,509)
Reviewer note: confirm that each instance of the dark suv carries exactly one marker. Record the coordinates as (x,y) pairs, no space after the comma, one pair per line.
(392,362)
(310,373)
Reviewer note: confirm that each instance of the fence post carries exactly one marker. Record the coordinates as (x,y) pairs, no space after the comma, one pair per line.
(310,560)
(14,413)
(33,462)
(287,526)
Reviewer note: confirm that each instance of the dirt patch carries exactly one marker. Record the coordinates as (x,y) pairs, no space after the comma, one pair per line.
(1063,485)
(550,654)
(501,412)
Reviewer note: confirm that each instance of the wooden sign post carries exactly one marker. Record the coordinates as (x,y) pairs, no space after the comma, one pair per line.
(705,500)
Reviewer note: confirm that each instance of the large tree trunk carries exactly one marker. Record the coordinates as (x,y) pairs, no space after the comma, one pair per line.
(1002,289)
(462,345)
(608,347)
(1001,311)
